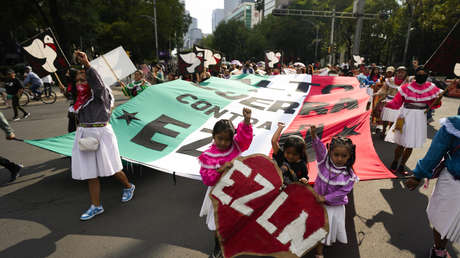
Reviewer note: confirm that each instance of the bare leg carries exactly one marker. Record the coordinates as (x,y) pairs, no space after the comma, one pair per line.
(94,191)
(320,249)
(121,176)
(398,153)
(384,127)
(406,155)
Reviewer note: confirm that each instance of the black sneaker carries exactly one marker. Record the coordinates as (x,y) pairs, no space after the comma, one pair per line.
(26,115)
(15,172)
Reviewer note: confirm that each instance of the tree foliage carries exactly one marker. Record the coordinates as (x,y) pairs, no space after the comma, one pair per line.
(98,24)
(382,39)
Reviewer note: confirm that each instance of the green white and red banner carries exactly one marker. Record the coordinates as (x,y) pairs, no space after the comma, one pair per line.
(168,126)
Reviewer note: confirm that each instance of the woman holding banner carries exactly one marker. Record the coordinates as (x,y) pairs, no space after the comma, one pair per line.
(95,151)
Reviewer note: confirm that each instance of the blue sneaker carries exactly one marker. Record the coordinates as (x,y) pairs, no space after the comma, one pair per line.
(91,212)
(128,193)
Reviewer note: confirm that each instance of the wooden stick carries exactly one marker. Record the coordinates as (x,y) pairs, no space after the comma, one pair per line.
(113,72)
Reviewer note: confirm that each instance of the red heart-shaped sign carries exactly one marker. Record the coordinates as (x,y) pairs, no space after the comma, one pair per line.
(253,216)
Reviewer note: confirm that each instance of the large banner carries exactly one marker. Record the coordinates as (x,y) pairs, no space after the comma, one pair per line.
(174,122)
(447,55)
(44,54)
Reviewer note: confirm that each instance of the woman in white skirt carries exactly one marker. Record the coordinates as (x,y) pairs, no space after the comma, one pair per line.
(410,128)
(95,151)
(388,92)
(444,207)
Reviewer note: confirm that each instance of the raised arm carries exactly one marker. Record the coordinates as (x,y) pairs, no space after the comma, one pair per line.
(318,146)
(244,134)
(276,137)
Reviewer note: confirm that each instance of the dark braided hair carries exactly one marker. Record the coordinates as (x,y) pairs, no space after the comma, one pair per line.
(345,141)
(298,143)
(223,125)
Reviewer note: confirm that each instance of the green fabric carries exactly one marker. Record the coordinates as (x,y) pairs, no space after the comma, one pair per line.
(149,106)
(142,85)
(253,78)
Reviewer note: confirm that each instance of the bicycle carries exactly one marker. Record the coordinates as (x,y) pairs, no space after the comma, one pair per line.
(48,96)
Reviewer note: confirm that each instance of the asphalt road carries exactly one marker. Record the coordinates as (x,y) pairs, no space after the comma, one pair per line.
(39,212)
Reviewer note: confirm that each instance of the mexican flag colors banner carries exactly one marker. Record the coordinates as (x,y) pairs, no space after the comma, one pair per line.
(169,125)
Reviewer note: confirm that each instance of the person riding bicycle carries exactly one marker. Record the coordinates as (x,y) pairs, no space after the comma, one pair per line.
(47,83)
(33,81)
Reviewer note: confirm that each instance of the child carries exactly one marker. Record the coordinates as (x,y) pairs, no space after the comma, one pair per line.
(217,159)
(292,158)
(335,180)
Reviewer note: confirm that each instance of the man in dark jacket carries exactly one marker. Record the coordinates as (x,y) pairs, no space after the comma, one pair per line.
(14,87)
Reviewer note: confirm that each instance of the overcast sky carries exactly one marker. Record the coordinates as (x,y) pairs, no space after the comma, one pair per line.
(202,10)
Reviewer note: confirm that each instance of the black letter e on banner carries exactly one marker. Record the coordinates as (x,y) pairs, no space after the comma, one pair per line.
(144,137)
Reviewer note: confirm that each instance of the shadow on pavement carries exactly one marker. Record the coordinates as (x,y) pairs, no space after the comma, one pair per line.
(159,212)
(407,224)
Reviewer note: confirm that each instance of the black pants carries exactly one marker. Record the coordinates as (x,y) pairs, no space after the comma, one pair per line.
(7,164)
(16,106)
(72,125)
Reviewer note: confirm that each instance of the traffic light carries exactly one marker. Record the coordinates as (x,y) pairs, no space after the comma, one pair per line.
(329,50)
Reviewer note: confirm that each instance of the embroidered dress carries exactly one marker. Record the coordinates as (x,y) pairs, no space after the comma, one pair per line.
(391,89)
(212,159)
(444,207)
(95,109)
(334,183)
(413,99)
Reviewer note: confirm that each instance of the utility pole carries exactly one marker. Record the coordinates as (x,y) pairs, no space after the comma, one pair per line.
(406,45)
(358,10)
(155,27)
(331,59)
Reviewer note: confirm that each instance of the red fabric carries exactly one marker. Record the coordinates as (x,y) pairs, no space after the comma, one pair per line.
(83,96)
(239,233)
(427,93)
(353,120)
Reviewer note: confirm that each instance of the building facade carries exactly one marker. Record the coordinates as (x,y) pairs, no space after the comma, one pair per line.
(247,13)
(193,35)
(270,5)
(218,15)
(229,6)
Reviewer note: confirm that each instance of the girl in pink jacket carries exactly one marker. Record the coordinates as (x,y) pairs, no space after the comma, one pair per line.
(217,159)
